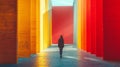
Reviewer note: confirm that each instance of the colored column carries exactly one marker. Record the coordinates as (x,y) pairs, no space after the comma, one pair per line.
(33,27)
(93,26)
(79,23)
(38,26)
(83,24)
(23,28)
(99,28)
(75,6)
(111,27)
(44,25)
(8,31)
(88,26)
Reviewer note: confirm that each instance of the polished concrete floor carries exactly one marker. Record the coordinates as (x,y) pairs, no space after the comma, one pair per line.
(71,58)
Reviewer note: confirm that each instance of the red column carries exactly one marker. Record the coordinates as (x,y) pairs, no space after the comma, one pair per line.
(8,29)
(88,26)
(111,26)
(99,28)
(93,26)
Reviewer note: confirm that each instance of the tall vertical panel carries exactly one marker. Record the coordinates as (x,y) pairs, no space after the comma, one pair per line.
(93,26)
(33,26)
(88,25)
(50,21)
(8,32)
(46,32)
(99,28)
(79,20)
(62,23)
(83,24)
(44,25)
(23,28)
(38,26)
(42,11)
(75,22)
(111,26)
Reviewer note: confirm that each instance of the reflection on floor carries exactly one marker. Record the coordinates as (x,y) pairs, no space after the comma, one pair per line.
(71,58)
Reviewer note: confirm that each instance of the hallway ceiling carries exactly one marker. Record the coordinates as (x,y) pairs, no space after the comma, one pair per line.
(62,2)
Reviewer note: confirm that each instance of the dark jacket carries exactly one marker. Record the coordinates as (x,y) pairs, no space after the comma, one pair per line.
(60,42)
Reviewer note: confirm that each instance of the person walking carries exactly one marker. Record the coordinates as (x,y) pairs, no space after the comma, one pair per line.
(61,45)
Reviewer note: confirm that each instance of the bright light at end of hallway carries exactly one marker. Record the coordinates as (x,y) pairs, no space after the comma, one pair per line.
(62,2)
(68,48)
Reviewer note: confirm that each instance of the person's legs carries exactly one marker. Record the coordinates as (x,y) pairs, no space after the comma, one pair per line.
(61,52)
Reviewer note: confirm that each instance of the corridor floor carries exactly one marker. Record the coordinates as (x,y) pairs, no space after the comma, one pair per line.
(71,58)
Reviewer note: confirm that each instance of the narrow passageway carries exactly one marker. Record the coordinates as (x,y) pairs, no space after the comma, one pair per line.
(71,58)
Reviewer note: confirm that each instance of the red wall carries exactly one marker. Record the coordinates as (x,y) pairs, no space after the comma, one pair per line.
(62,23)
(111,24)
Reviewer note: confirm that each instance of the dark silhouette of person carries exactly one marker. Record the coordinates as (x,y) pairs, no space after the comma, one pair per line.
(61,45)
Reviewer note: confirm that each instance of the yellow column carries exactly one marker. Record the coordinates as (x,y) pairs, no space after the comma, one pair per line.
(79,23)
(42,11)
(81,28)
(23,28)
(44,25)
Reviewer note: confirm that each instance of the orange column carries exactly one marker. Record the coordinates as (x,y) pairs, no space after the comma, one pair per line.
(33,26)
(23,29)
(38,26)
(8,26)
(83,25)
